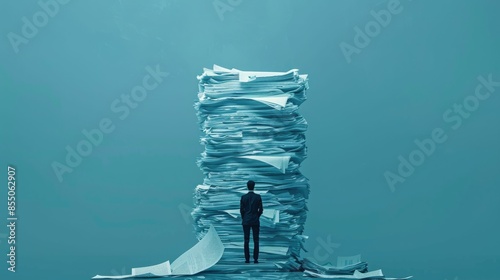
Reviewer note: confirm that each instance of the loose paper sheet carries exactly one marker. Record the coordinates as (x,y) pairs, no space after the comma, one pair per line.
(206,253)
(280,162)
(201,257)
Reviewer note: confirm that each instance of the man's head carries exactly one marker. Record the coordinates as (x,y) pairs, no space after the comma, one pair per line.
(250,185)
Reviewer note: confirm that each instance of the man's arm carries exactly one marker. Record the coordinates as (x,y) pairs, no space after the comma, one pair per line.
(261,208)
(242,209)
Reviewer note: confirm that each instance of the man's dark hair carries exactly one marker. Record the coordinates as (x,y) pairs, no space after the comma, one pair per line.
(251,185)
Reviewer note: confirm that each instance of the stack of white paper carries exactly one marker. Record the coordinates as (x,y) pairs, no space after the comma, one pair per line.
(253,131)
(347,268)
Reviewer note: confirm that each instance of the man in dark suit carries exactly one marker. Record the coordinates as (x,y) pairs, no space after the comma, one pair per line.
(250,210)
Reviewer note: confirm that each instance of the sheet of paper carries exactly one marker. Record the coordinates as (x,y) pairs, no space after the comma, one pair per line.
(356,275)
(113,277)
(279,100)
(201,256)
(248,76)
(280,162)
(206,253)
(350,260)
(376,274)
(162,269)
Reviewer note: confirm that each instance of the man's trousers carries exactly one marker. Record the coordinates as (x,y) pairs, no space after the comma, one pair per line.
(246,234)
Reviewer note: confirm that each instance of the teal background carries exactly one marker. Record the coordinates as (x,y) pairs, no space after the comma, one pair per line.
(124,205)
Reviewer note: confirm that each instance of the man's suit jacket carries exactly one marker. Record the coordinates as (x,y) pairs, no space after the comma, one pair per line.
(251,209)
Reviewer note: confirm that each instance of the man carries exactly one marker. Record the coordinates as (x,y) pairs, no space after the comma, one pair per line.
(250,210)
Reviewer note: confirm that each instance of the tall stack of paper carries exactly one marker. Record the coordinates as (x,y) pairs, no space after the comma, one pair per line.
(253,131)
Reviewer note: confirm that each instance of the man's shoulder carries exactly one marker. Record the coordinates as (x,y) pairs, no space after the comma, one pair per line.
(250,194)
